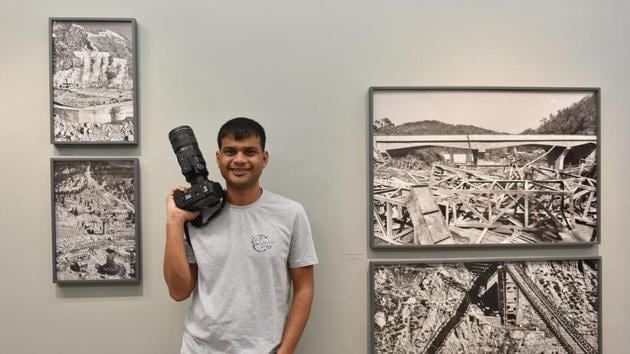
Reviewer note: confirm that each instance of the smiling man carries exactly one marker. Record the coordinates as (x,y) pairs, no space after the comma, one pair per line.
(240,267)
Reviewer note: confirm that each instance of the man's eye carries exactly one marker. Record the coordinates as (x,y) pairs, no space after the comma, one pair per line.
(229,152)
(250,152)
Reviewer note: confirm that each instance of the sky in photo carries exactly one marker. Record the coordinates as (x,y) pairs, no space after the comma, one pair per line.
(502,111)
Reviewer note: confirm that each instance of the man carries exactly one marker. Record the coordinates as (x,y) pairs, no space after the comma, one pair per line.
(241,265)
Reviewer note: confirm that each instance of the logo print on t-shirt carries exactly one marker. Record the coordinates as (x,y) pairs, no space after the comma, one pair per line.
(261,243)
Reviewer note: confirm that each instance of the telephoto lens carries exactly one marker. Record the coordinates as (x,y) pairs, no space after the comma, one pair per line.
(188,154)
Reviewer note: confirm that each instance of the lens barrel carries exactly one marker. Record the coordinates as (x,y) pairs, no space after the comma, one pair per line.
(182,136)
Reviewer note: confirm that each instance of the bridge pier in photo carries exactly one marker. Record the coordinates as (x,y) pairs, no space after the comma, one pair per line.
(472,157)
(508,298)
(500,292)
(559,162)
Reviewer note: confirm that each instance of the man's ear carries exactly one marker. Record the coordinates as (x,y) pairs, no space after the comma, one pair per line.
(265,158)
(217,157)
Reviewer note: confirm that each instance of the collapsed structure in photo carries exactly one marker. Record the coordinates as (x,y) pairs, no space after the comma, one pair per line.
(436,183)
(486,307)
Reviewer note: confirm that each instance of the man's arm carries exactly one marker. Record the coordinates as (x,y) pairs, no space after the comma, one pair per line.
(303,287)
(180,276)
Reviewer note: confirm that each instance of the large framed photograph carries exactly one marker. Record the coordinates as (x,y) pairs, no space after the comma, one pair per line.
(93,81)
(95,220)
(477,167)
(486,306)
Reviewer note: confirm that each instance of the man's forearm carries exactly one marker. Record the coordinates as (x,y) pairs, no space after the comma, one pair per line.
(296,321)
(177,272)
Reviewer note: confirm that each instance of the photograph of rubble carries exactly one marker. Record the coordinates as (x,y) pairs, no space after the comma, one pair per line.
(477,167)
(490,306)
(93,91)
(95,220)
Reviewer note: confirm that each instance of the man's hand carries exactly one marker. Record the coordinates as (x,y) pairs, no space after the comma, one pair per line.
(180,276)
(175,215)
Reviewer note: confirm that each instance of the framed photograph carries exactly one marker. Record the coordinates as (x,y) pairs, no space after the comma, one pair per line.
(93,81)
(478,167)
(95,220)
(486,306)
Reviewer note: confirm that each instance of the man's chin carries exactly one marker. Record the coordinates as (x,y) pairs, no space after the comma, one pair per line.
(240,185)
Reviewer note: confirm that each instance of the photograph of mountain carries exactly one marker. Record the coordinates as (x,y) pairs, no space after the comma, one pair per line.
(93,81)
(475,166)
(529,307)
(95,225)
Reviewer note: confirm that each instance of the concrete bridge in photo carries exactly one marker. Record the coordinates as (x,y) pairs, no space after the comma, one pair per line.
(480,143)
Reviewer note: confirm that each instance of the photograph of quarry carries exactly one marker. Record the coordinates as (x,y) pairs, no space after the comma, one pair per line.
(483,166)
(95,226)
(93,81)
(533,307)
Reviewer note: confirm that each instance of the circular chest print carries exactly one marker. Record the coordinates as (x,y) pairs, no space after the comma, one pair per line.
(261,243)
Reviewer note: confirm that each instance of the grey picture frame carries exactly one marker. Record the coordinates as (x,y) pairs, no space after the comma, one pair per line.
(555,318)
(377,226)
(97,220)
(92,107)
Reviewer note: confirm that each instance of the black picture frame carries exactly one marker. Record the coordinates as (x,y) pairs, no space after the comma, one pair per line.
(93,65)
(424,306)
(95,213)
(409,209)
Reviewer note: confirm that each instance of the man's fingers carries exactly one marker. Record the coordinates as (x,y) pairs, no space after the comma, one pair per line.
(172,191)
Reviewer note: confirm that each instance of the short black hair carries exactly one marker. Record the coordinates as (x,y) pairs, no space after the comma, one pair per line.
(242,128)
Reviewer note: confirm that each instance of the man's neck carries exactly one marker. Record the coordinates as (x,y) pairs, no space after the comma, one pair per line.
(243,197)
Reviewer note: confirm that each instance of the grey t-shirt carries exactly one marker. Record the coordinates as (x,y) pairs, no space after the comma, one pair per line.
(243,255)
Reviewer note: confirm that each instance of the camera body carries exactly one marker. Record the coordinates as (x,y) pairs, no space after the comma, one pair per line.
(202,193)
(199,196)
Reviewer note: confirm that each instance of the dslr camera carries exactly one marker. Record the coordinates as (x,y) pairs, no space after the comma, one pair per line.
(202,193)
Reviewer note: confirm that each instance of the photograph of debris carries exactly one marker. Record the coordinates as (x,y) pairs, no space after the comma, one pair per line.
(93,81)
(95,220)
(533,306)
(483,167)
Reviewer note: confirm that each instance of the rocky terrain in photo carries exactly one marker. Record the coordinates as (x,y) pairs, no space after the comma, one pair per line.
(95,220)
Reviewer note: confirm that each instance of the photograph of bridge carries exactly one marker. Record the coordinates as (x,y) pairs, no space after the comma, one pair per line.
(533,306)
(93,75)
(477,166)
(95,226)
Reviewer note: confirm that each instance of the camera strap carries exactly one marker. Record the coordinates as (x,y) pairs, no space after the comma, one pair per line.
(204,217)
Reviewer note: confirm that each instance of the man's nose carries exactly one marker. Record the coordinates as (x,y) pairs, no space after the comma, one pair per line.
(239,157)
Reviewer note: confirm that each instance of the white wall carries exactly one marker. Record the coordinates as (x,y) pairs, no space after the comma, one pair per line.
(302,68)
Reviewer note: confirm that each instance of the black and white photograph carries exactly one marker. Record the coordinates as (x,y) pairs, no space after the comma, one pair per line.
(93,81)
(529,306)
(483,167)
(95,220)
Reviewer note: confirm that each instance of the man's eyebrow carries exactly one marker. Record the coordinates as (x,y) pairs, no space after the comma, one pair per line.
(252,147)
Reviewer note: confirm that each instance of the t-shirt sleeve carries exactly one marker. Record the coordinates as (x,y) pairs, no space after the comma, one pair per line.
(302,251)
(189,251)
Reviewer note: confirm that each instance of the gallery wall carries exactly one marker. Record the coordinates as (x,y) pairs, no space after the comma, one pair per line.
(303,70)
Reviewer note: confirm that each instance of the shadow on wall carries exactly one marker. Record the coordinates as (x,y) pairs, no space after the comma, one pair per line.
(69,291)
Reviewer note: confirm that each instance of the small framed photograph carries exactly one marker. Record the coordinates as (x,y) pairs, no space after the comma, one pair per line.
(486,306)
(93,81)
(479,167)
(95,220)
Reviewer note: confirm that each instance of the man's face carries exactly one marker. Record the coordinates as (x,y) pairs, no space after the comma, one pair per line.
(241,161)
